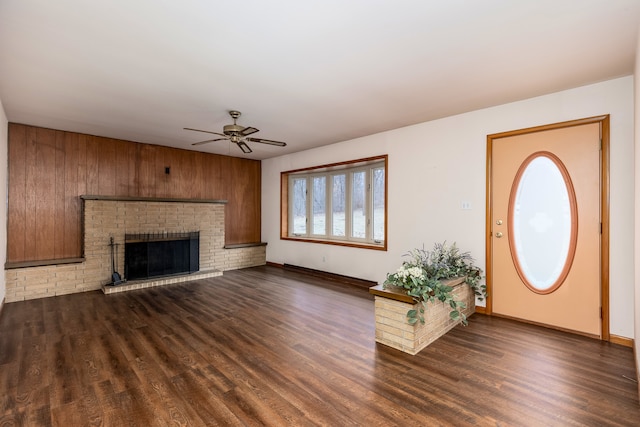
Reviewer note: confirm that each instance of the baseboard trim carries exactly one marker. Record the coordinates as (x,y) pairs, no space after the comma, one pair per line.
(360,283)
(274,264)
(480,309)
(615,339)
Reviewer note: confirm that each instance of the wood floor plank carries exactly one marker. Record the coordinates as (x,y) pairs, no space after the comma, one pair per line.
(207,404)
(169,404)
(269,347)
(63,373)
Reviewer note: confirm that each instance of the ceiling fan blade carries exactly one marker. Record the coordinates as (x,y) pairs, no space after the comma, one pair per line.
(244,147)
(205,131)
(208,140)
(248,131)
(267,141)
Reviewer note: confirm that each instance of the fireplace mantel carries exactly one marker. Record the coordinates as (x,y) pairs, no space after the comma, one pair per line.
(149,199)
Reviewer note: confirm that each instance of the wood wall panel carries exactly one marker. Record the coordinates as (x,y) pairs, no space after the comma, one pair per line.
(163,158)
(213,167)
(49,170)
(45,186)
(125,154)
(72,207)
(145,161)
(92,166)
(108,166)
(82,162)
(16,214)
(59,197)
(30,194)
(245,195)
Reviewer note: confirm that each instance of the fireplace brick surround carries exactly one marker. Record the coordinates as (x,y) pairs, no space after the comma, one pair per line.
(110,216)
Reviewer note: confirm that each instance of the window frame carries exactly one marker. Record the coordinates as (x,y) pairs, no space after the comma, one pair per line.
(369,164)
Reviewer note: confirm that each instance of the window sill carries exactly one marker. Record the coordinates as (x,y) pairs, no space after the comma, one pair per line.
(382,247)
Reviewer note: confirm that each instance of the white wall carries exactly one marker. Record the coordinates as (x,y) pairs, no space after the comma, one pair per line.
(433,166)
(637,210)
(3,196)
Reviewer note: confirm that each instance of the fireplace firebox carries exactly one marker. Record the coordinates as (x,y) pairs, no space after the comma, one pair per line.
(161,254)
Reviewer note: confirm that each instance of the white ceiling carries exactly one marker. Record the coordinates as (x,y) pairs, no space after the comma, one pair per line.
(310,72)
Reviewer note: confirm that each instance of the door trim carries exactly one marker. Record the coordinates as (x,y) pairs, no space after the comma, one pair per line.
(604,212)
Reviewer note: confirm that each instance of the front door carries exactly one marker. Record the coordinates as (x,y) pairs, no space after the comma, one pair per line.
(544,223)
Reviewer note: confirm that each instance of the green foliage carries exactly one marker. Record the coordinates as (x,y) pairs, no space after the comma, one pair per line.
(421,277)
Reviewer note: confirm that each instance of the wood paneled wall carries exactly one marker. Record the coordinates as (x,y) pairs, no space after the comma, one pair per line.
(50,169)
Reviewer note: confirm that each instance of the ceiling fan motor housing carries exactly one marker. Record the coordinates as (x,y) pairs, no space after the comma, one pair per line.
(233,129)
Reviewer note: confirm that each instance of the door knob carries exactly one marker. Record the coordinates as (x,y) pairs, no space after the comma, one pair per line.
(498,234)
(499,222)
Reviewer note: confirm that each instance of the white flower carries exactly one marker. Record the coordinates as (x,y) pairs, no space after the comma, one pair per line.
(404,272)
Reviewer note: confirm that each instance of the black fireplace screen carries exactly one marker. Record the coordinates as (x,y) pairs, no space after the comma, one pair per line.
(161,254)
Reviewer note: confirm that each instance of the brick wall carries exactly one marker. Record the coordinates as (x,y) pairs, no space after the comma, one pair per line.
(106,218)
(393,330)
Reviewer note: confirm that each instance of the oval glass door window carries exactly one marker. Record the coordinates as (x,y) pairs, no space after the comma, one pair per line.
(543,222)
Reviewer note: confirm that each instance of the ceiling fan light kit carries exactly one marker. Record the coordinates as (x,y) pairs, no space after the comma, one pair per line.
(237,134)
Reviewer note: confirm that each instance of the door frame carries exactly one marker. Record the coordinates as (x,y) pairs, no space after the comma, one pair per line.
(604,212)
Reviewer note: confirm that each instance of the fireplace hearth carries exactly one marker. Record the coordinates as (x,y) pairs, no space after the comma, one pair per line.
(152,255)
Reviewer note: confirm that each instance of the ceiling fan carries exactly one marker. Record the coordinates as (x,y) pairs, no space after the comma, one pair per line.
(237,134)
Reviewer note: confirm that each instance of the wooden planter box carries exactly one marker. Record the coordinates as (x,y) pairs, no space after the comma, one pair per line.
(391,309)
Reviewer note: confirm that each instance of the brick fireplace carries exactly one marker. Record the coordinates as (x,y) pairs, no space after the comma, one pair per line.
(106,217)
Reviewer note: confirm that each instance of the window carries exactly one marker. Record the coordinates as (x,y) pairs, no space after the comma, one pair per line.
(299,206)
(343,203)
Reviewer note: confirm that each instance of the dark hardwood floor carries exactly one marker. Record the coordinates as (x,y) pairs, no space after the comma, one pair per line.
(265,346)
